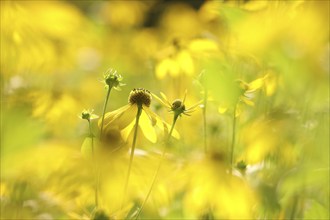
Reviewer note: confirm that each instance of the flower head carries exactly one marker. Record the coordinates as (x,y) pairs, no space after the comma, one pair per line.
(140,97)
(177,106)
(112,79)
(124,117)
(88,115)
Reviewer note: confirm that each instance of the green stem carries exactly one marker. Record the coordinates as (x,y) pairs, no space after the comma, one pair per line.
(204,121)
(233,140)
(294,207)
(158,168)
(104,109)
(91,135)
(95,168)
(139,111)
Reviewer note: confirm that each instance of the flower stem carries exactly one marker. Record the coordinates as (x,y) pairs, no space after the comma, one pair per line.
(139,111)
(104,109)
(204,121)
(96,198)
(233,140)
(158,168)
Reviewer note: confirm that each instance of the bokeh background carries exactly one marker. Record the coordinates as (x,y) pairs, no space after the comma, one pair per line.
(54,54)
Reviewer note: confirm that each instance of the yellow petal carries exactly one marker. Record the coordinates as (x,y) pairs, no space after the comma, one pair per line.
(162,125)
(247,101)
(123,120)
(203,45)
(165,98)
(270,84)
(152,117)
(167,66)
(222,110)
(162,69)
(110,116)
(255,85)
(166,127)
(87,148)
(174,68)
(126,132)
(165,103)
(192,108)
(186,62)
(147,128)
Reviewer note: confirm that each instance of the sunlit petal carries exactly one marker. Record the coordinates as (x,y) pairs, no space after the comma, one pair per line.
(247,101)
(222,110)
(165,98)
(110,116)
(124,118)
(147,128)
(127,131)
(255,85)
(165,103)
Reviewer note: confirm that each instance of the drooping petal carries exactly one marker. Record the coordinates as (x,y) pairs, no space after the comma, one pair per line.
(192,108)
(185,62)
(124,118)
(110,116)
(247,101)
(162,125)
(185,95)
(222,110)
(147,128)
(255,85)
(165,98)
(127,131)
(165,102)
(271,83)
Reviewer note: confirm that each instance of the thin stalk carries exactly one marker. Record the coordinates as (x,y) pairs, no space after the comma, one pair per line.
(91,135)
(104,109)
(233,140)
(204,120)
(158,168)
(96,198)
(294,207)
(139,111)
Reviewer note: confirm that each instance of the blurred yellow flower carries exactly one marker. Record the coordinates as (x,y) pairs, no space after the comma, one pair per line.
(123,118)
(271,83)
(124,14)
(247,94)
(56,108)
(180,57)
(40,36)
(211,190)
(177,106)
(180,20)
(180,62)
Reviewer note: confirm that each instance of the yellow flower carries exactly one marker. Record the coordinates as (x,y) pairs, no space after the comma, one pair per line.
(179,57)
(208,177)
(249,89)
(247,94)
(124,117)
(177,106)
